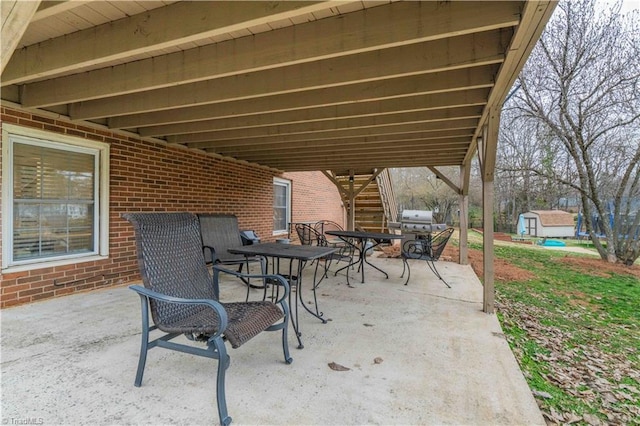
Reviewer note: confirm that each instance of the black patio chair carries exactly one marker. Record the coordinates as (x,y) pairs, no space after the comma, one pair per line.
(428,248)
(346,248)
(184,298)
(220,232)
(310,235)
(322,226)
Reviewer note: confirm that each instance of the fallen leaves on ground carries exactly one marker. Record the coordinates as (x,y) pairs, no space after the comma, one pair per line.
(583,371)
(337,367)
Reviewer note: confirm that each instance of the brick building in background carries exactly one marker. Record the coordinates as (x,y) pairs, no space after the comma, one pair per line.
(139,175)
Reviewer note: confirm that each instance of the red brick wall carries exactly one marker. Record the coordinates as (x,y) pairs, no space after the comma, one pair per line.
(147,176)
(314,197)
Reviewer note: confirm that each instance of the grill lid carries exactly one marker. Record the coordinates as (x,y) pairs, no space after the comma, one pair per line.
(417,216)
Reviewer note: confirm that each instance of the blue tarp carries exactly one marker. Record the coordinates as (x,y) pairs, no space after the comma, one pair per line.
(521,226)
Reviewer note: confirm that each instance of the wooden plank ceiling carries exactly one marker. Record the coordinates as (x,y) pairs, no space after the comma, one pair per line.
(338,85)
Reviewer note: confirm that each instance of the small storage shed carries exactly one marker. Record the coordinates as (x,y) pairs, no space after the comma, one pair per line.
(549,223)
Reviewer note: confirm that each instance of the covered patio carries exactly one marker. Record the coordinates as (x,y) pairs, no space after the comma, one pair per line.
(342,87)
(199,106)
(417,354)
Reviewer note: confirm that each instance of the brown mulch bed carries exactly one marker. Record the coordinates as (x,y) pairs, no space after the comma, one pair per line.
(505,271)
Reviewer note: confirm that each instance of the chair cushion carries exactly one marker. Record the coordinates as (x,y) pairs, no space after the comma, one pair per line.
(248,319)
(245,321)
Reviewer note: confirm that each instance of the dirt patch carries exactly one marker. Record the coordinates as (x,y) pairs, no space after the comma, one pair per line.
(507,237)
(599,268)
(505,271)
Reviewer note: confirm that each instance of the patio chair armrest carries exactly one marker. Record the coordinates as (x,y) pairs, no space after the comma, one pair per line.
(212,251)
(282,280)
(214,305)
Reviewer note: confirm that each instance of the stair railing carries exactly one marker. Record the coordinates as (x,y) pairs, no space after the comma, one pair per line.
(388,198)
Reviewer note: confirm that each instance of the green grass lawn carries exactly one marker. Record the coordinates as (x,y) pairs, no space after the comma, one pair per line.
(575,331)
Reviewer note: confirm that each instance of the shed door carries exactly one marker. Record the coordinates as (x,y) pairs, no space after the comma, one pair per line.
(531,223)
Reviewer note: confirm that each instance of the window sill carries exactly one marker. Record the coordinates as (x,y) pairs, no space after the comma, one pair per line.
(52,264)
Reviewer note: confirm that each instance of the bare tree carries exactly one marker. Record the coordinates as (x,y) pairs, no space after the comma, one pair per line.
(579,97)
(523,148)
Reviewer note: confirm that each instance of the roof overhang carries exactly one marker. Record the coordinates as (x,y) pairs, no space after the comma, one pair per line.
(295,86)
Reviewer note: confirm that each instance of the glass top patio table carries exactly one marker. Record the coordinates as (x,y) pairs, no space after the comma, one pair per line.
(361,247)
(301,253)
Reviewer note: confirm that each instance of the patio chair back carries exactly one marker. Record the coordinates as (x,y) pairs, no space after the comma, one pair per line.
(312,235)
(172,263)
(221,232)
(308,235)
(327,225)
(439,242)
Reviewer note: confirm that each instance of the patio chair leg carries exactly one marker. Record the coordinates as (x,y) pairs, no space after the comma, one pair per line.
(405,264)
(432,266)
(223,364)
(285,336)
(144,345)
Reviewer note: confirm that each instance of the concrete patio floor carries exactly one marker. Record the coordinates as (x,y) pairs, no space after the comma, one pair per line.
(72,360)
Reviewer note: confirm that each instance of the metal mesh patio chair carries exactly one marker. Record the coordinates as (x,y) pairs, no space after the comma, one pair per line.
(323,226)
(184,298)
(428,248)
(220,232)
(310,235)
(346,249)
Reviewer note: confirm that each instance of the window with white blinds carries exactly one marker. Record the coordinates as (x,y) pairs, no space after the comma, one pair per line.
(55,200)
(281,205)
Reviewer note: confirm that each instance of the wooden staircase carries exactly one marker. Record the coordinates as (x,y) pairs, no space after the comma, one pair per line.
(374,202)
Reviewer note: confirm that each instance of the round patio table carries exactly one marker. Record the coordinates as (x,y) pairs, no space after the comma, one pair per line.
(362,238)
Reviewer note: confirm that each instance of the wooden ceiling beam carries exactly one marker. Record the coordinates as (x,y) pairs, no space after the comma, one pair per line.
(339,165)
(50,8)
(431,116)
(455,142)
(340,139)
(16,16)
(322,39)
(381,152)
(374,157)
(429,128)
(418,139)
(458,52)
(440,82)
(336,164)
(427,102)
(146,32)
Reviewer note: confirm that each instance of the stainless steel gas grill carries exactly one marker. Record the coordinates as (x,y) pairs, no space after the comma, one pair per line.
(417,222)
(421,238)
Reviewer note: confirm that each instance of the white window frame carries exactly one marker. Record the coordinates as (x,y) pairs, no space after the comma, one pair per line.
(100,150)
(287,184)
